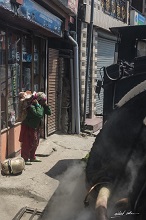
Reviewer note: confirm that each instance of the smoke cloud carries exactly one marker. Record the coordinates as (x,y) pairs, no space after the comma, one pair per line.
(67,203)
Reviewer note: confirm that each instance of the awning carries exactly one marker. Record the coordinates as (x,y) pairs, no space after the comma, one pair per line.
(11,19)
(137,31)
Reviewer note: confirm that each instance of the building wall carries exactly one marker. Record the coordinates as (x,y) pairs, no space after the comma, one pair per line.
(104,21)
(83,55)
(101,19)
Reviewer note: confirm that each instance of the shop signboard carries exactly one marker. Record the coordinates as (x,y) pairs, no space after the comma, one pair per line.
(136,18)
(140,19)
(5,3)
(36,13)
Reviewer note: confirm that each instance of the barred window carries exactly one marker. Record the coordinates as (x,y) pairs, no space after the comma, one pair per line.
(3,77)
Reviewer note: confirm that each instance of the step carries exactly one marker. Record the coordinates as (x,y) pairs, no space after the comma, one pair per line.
(94,124)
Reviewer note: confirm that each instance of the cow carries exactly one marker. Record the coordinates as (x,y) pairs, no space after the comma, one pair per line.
(116,167)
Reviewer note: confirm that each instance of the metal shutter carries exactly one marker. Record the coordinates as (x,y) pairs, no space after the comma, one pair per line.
(105,57)
(53,60)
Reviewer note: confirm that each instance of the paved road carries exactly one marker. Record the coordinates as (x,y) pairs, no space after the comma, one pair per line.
(55,186)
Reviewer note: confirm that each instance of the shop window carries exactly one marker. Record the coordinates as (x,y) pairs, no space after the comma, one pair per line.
(22,68)
(3,77)
(13,76)
(26,63)
(43,68)
(39,48)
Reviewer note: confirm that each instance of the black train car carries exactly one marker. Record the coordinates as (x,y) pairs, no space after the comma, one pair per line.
(130,67)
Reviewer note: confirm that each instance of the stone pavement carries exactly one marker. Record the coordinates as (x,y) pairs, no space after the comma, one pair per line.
(38,183)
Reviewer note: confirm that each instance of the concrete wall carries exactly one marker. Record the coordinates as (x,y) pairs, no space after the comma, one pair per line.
(101,20)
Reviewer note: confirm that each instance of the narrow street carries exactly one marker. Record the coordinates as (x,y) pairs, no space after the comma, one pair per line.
(55,186)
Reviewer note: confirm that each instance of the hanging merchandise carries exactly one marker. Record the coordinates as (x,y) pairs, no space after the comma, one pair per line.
(11,52)
(27,79)
(26,57)
(11,119)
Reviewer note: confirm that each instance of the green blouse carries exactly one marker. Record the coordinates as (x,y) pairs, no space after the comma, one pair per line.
(35,114)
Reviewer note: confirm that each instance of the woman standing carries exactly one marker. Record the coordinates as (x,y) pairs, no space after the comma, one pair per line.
(30,127)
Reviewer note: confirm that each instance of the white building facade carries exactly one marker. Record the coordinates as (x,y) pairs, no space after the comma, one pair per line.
(107,14)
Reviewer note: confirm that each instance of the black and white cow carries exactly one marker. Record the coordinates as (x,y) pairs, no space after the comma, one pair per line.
(117,160)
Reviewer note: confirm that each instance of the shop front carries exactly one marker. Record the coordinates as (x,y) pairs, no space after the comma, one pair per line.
(23,63)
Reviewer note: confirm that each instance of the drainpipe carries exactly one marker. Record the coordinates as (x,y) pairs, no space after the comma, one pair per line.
(76,82)
(72,94)
(46,85)
(88,59)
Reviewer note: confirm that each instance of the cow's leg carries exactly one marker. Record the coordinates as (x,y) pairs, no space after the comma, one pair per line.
(101,203)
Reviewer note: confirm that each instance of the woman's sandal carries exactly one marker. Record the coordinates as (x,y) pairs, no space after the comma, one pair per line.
(35,160)
(28,162)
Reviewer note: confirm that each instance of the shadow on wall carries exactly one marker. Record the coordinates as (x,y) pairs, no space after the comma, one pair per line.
(67,202)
